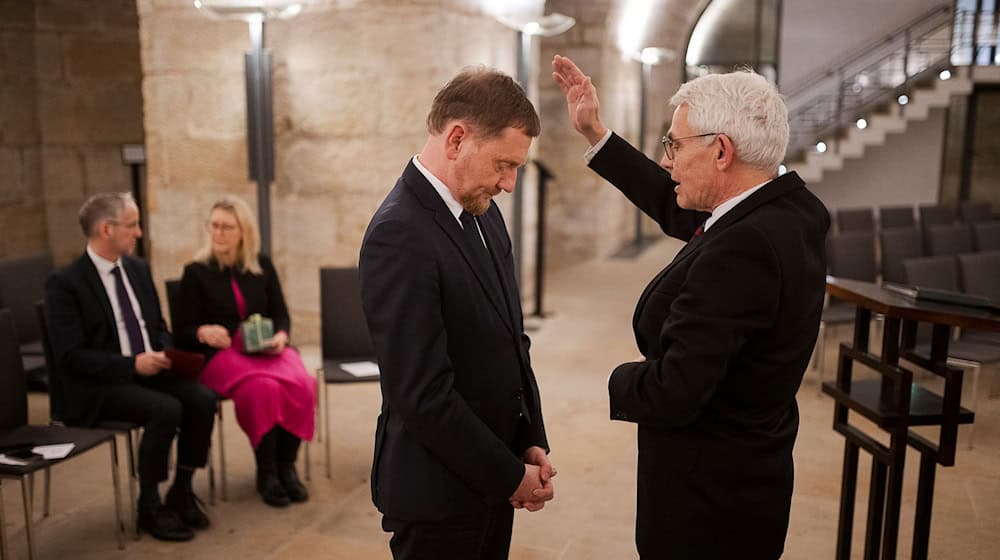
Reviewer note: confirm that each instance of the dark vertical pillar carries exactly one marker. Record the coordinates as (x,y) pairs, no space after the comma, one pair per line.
(260,128)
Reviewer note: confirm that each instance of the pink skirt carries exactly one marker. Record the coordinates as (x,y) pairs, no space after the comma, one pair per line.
(267,391)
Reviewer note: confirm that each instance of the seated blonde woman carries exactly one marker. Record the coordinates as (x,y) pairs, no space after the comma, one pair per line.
(273,394)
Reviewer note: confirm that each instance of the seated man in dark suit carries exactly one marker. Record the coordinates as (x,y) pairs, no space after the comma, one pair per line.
(108,337)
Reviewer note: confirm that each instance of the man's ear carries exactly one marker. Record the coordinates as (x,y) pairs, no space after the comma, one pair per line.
(455,137)
(725,152)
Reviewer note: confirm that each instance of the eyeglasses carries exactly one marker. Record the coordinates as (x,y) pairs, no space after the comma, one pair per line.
(670,145)
(224,228)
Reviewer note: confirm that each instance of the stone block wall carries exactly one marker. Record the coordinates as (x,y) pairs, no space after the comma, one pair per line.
(353,82)
(22,203)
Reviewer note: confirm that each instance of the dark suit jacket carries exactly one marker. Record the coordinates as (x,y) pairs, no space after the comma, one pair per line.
(84,337)
(727,330)
(206,297)
(453,358)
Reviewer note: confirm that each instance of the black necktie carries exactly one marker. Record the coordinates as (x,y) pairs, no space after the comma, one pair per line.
(475,242)
(128,314)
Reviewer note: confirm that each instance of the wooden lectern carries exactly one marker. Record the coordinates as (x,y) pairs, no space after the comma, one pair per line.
(894,403)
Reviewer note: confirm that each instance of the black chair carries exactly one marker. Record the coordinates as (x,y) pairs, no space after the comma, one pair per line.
(16,433)
(22,283)
(896,217)
(986,236)
(980,273)
(855,219)
(128,430)
(948,240)
(899,244)
(345,337)
(972,211)
(849,255)
(941,272)
(934,215)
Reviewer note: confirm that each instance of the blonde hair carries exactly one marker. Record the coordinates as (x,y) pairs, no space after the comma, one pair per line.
(249,249)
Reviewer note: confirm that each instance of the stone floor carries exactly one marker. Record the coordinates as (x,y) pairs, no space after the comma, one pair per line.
(587,334)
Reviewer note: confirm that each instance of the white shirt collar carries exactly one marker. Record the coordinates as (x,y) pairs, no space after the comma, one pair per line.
(103,265)
(449,200)
(728,205)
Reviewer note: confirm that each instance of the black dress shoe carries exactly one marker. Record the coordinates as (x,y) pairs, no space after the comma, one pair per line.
(271,490)
(290,482)
(164,524)
(189,508)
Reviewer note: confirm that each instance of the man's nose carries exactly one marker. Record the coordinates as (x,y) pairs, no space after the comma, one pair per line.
(666,162)
(508,181)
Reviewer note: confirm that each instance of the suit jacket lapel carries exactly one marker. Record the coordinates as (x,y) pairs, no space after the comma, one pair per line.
(430,199)
(93,280)
(496,232)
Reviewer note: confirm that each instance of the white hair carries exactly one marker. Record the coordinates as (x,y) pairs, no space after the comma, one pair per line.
(743,106)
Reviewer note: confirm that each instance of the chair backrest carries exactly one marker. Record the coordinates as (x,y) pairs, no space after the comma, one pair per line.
(973,211)
(173,301)
(896,217)
(855,219)
(936,215)
(852,255)
(22,283)
(981,274)
(939,272)
(344,328)
(56,390)
(13,384)
(949,240)
(899,244)
(987,236)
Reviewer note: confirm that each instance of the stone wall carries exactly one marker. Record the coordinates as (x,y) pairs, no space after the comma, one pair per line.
(22,204)
(89,104)
(352,85)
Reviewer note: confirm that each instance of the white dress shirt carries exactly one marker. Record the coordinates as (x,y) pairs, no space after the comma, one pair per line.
(449,200)
(104,268)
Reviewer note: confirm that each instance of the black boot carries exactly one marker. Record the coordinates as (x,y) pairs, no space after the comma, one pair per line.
(290,482)
(270,488)
(164,524)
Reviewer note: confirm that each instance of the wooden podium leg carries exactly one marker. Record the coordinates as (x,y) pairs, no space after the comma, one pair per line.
(848,488)
(925,499)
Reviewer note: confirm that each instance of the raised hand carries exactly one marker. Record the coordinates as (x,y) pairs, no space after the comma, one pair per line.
(581,98)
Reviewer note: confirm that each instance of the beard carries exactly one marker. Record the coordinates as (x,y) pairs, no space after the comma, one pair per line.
(475,203)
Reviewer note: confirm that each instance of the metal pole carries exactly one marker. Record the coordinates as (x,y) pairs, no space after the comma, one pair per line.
(260,128)
(543,178)
(644,71)
(523,75)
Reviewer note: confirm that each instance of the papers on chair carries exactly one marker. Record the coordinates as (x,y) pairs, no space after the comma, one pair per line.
(55,451)
(361,369)
(5,460)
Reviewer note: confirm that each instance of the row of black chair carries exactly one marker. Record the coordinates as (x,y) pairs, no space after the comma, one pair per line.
(863,219)
(22,283)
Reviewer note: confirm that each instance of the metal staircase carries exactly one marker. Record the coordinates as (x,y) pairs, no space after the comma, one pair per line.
(837,114)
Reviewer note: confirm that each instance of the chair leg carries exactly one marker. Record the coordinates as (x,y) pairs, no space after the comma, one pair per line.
(307,469)
(116,484)
(821,353)
(27,491)
(975,400)
(48,492)
(222,454)
(326,426)
(133,480)
(4,554)
(211,476)
(995,386)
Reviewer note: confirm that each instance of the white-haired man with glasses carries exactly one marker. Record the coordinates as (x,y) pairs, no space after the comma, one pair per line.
(727,328)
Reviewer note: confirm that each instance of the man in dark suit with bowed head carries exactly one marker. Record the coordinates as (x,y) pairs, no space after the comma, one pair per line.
(108,336)
(460,440)
(727,328)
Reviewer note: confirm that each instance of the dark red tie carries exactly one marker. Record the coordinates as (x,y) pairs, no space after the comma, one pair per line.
(699,231)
